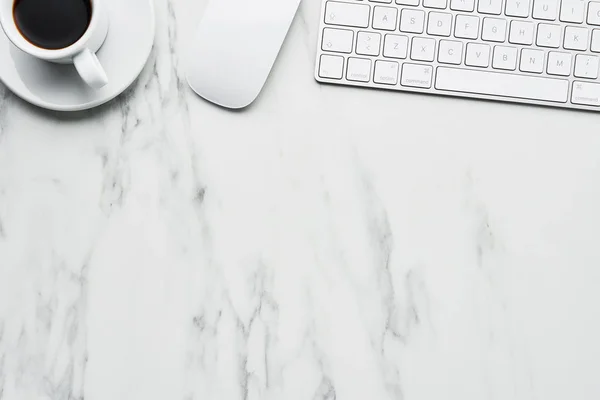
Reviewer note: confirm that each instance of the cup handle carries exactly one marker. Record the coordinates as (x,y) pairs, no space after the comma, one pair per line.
(90,69)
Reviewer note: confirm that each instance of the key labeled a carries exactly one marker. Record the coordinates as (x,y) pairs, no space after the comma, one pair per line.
(385,18)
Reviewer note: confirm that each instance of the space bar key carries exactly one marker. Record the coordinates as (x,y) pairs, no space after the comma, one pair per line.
(503,85)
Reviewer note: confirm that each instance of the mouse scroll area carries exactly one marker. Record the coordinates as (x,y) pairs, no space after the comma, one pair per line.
(235,47)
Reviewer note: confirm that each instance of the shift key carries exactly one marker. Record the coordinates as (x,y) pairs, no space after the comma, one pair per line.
(347,14)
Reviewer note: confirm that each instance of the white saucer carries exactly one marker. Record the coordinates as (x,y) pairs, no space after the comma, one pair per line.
(59,87)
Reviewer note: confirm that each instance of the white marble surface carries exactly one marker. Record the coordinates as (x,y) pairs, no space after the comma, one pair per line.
(327,243)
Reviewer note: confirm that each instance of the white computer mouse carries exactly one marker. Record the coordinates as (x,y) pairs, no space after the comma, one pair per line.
(235,47)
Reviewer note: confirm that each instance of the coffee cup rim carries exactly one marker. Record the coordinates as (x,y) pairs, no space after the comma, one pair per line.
(13,33)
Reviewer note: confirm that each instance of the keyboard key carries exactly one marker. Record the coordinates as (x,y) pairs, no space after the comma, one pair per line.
(439,24)
(423,49)
(490,7)
(521,32)
(412,20)
(593,17)
(395,46)
(548,35)
(368,43)
(462,5)
(576,38)
(505,58)
(331,67)
(586,66)
(337,40)
(450,52)
(435,3)
(559,63)
(466,27)
(408,2)
(545,9)
(596,41)
(386,72)
(478,55)
(517,8)
(494,29)
(572,11)
(359,69)
(414,75)
(532,61)
(385,18)
(586,93)
(380,1)
(347,14)
(502,84)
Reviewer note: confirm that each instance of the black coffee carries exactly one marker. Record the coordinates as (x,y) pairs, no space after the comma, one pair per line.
(52,24)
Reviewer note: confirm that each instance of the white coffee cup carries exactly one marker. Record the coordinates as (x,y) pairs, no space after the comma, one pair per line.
(82,53)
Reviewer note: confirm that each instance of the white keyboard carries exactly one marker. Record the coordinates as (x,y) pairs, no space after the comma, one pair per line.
(543,52)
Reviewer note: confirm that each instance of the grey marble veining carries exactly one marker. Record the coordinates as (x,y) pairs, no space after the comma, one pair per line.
(325,244)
